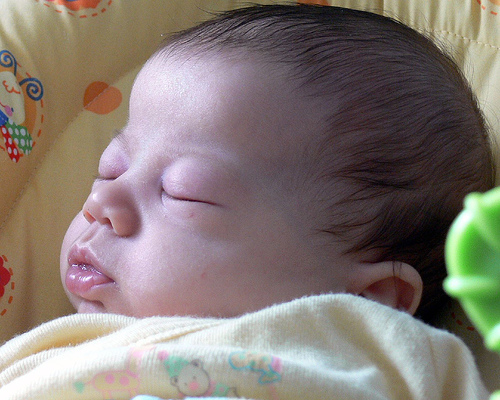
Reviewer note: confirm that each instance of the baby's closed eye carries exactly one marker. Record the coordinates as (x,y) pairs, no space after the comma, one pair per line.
(195,182)
(192,198)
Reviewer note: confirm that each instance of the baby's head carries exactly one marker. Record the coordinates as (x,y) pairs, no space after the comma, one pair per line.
(277,152)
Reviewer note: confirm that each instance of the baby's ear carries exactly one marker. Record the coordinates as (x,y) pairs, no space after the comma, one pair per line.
(392,283)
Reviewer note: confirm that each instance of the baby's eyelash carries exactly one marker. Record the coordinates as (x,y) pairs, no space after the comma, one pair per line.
(117,132)
(100,178)
(189,199)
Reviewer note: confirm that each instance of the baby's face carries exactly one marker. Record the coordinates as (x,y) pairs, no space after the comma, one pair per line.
(190,215)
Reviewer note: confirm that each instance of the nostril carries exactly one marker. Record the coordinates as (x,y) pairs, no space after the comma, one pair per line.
(88,216)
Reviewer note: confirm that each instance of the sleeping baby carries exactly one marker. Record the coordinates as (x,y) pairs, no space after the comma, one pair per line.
(269,221)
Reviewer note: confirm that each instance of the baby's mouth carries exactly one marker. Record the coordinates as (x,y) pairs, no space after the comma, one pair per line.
(81,278)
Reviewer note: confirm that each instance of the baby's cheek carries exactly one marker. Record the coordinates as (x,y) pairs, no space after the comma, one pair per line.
(75,229)
(203,219)
(218,228)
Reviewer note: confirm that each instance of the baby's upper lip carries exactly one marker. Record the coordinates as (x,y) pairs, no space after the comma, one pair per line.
(85,276)
(85,256)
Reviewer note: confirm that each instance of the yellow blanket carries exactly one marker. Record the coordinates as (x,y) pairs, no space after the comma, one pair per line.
(329,346)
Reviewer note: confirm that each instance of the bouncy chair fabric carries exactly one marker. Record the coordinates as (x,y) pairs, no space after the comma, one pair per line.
(66,70)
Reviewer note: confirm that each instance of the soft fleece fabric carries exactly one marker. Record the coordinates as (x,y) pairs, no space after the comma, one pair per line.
(329,346)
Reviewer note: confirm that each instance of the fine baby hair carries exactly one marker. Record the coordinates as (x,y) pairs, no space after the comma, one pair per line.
(403,136)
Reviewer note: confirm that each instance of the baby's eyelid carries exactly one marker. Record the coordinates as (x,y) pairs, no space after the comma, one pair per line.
(101,178)
(110,170)
(104,173)
(114,160)
(188,198)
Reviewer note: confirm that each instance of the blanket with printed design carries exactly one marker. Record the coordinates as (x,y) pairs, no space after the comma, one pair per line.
(328,346)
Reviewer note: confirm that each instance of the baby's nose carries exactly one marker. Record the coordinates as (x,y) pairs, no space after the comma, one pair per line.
(112,203)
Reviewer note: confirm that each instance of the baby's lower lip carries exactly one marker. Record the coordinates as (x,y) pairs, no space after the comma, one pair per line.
(81,278)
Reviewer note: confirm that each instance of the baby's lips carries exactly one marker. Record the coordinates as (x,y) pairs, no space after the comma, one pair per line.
(82,278)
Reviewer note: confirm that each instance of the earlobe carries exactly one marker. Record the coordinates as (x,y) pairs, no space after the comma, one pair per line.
(394,284)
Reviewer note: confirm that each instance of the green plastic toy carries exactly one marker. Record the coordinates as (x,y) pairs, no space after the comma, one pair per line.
(473,262)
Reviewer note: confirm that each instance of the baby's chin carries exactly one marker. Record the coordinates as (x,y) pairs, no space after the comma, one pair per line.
(83,306)
(90,307)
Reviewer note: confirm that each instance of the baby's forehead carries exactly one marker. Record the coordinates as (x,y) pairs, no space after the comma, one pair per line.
(262,110)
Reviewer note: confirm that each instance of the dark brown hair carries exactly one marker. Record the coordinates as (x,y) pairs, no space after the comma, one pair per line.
(403,130)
